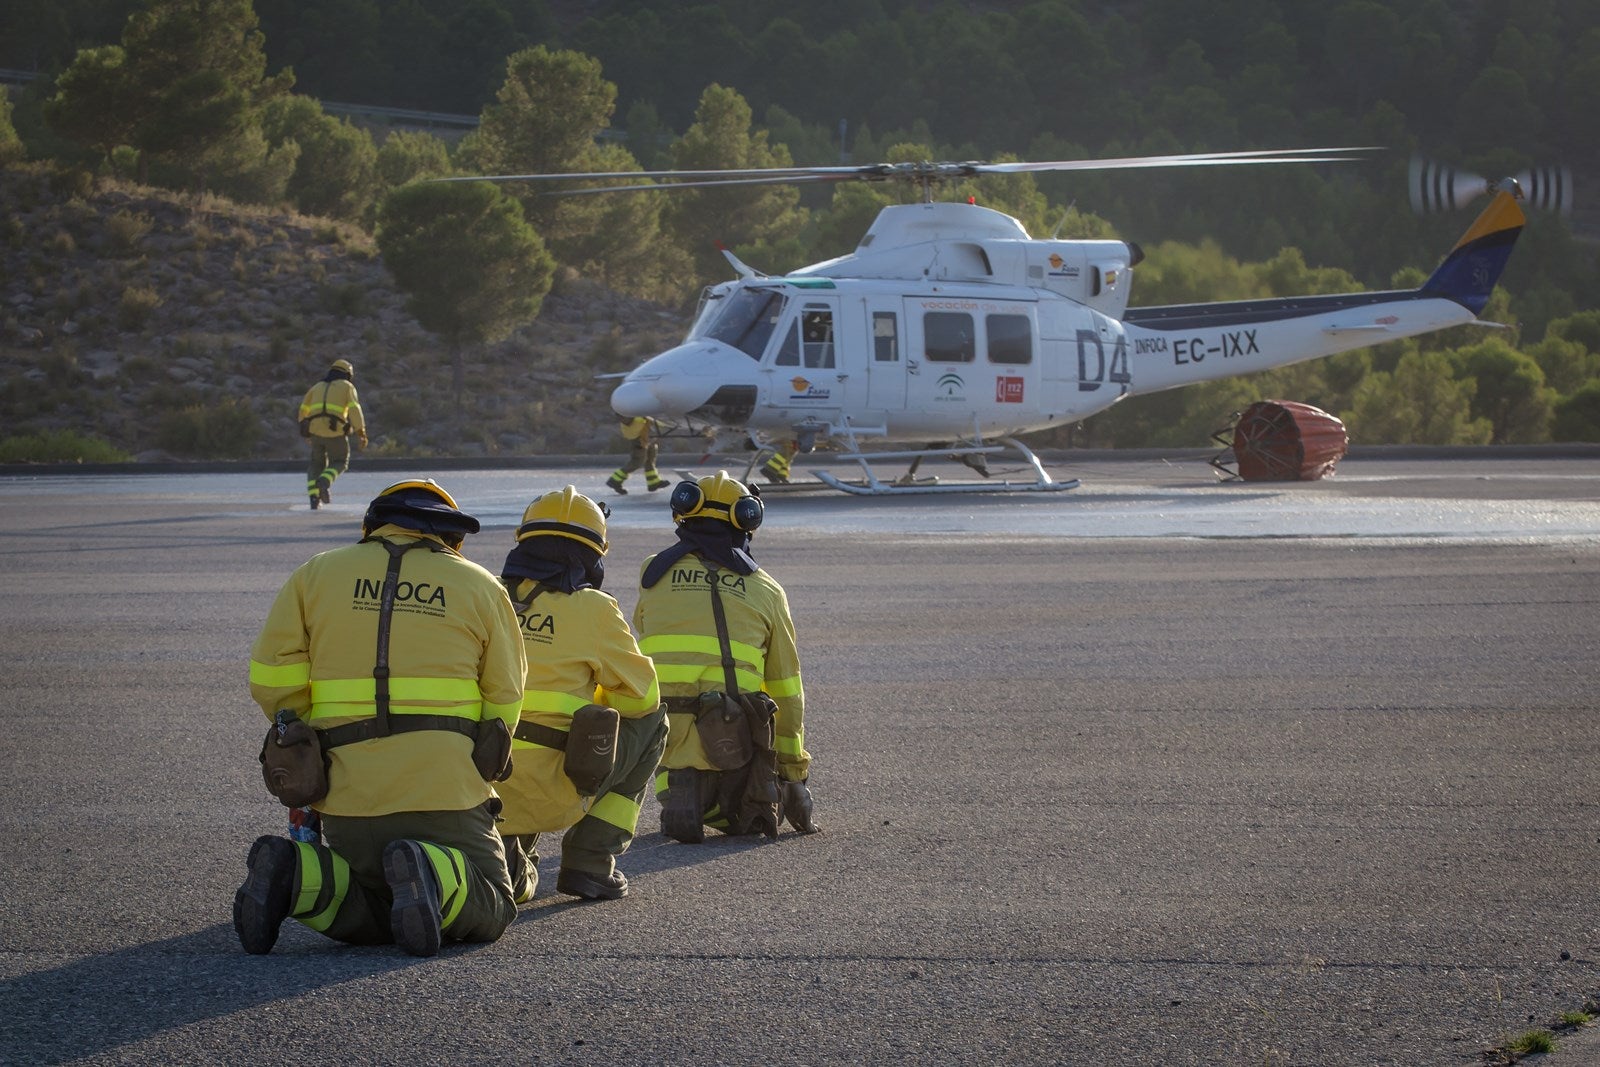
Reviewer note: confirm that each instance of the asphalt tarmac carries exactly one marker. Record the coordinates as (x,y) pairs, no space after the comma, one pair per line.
(1155,771)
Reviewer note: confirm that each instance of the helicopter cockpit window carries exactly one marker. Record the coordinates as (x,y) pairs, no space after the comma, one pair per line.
(948,337)
(816,335)
(746,322)
(1010,339)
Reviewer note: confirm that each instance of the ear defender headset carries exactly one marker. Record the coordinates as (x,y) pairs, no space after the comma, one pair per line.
(718,497)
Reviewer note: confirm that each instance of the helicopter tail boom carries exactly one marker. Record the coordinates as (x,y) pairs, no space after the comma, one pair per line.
(1182,344)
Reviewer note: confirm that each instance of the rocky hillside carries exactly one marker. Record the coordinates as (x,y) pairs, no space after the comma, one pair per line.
(173,325)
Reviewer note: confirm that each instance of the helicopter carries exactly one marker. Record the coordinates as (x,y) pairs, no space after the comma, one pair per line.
(951,329)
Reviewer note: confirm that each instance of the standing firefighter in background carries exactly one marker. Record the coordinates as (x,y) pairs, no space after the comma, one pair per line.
(641,431)
(719,630)
(777,467)
(592,726)
(398,662)
(329,416)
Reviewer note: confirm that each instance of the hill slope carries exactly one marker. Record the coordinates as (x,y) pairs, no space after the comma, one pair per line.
(181,325)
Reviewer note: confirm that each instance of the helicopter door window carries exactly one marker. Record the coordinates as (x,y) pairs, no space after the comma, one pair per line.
(885,337)
(748,320)
(789,352)
(1010,339)
(948,337)
(816,332)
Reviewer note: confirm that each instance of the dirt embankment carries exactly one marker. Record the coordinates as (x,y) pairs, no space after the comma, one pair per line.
(174,325)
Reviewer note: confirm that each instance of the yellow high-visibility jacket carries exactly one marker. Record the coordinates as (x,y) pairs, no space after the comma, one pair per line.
(453,650)
(580,651)
(333,409)
(678,630)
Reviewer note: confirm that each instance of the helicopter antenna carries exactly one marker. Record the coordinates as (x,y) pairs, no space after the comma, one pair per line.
(1065,213)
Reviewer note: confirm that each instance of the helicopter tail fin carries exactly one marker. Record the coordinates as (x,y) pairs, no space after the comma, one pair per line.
(1468,274)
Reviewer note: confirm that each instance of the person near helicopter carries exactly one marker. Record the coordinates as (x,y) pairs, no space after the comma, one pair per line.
(641,432)
(777,467)
(719,630)
(401,658)
(330,415)
(592,727)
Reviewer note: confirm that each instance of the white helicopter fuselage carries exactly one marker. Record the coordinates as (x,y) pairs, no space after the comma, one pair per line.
(949,322)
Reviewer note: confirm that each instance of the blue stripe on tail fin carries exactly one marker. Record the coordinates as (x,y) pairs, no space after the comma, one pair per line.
(1469,272)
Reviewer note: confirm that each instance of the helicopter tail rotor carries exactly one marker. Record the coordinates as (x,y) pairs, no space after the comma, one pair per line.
(1437,187)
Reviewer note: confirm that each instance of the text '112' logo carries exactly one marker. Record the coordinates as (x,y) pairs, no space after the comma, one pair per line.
(1008,390)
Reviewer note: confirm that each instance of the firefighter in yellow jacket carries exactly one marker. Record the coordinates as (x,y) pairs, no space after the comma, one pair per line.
(689,633)
(330,415)
(641,432)
(399,652)
(588,686)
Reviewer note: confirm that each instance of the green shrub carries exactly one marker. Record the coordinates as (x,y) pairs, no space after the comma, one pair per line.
(349,299)
(227,429)
(136,306)
(124,231)
(59,446)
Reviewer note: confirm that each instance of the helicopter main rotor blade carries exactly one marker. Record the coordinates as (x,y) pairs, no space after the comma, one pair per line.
(1191,159)
(923,173)
(799,179)
(614,175)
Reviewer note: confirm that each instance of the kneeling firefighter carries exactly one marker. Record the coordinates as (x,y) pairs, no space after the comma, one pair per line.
(592,726)
(393,671)
(719,630)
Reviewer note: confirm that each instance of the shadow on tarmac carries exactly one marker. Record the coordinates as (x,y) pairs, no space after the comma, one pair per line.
(85,998)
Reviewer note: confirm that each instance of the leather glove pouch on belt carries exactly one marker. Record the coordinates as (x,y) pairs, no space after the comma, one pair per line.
(292,763)
(491,750)
(724,731)
(590,745)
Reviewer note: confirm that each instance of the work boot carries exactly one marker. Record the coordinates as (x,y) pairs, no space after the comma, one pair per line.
(615,482)
(323,485)
(414,917)
(654,481)
(576,883)
(262,902)
(316,502)
(681,813)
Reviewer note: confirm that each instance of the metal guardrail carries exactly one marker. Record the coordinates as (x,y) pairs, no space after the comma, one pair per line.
(424,118)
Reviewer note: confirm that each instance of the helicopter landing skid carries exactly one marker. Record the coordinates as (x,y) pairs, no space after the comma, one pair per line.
(871,485)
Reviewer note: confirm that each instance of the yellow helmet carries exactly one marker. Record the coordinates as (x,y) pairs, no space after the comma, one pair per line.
(418,504)
(718,496)
(567,513)
(342,365)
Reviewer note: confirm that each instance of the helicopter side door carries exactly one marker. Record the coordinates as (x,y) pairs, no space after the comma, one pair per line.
(806,380)
(886,358)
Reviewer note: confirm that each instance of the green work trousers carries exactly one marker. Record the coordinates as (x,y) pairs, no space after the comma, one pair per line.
(608,826)
(330,457)
(354,907)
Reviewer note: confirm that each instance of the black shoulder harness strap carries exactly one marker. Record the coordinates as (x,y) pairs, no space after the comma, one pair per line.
(522,606)
(534,733)
(721,616)
(381,724)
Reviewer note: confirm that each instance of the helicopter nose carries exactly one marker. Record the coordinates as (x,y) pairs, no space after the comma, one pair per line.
(633,398)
